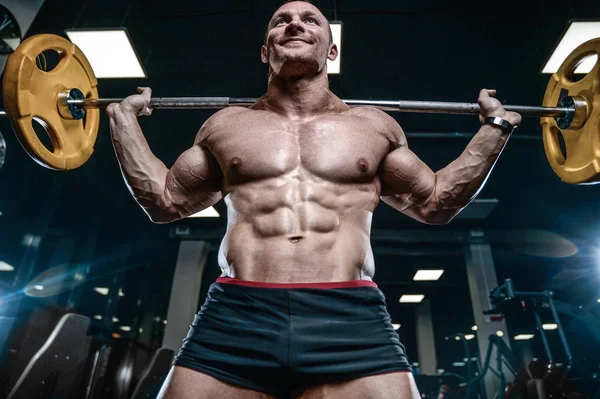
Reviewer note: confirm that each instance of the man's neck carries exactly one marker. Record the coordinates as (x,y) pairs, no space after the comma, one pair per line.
(300,97)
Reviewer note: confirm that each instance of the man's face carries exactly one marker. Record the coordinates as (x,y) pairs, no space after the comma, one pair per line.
(298,40)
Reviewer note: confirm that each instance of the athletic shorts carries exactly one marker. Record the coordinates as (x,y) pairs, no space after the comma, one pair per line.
(281,338)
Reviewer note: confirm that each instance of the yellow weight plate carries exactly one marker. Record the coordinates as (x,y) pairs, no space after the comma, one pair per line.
(30,93)
(581,163)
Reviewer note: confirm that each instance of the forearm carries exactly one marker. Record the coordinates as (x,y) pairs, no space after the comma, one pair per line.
(170,214)
(144,174)
(411,187)
(458,183)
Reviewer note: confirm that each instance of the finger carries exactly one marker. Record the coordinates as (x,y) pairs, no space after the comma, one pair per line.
(146,111)
(109,109)
(147,94)
(491,92)
(481,120)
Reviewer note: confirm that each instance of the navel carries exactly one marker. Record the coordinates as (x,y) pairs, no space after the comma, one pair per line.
(363,165)
(295,240)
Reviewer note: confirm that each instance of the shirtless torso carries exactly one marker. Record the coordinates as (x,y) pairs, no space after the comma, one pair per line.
(300,194)
(301,174)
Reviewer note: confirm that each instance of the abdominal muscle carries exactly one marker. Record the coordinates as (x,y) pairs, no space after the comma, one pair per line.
(289,231)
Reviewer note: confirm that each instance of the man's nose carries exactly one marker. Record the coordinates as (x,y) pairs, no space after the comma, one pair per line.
(294,26)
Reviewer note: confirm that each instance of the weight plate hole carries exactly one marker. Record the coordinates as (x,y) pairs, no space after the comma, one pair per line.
(582,66)
(84,121)
(47,60)
(561,143)
(41,130)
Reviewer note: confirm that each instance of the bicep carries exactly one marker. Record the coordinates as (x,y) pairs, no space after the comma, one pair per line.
(407,183)
(194,181)
(403,173)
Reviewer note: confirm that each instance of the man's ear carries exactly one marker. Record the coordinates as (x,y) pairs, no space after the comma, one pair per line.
(333,52)
(263,54)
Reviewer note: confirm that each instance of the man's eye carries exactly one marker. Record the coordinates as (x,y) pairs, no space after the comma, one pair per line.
(311,21)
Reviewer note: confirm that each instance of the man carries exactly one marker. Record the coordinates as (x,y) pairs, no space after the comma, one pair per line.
(295,312)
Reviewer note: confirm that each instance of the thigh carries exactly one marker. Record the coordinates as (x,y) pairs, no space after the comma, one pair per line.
(184,383)
(399,385)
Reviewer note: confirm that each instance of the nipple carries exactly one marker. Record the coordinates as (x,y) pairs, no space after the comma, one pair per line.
(235,163)
(363,165)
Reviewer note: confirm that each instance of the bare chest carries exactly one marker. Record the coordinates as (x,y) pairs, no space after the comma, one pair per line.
(260,145)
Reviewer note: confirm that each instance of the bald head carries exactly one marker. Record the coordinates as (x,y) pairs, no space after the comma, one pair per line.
(286,7)
(298,41)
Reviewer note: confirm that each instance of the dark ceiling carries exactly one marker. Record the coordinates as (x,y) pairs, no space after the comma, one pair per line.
(419,50)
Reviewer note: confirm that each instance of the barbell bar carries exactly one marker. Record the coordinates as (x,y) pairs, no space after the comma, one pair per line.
(66,101)
(433,107)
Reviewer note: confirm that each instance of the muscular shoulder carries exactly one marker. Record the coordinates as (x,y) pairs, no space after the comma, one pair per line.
(383,124)
(217,121)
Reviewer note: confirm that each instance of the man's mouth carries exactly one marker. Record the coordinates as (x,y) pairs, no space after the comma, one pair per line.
(294,40)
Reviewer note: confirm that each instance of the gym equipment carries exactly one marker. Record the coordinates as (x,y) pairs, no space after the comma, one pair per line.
(2,150)
(125,362)
(504,358)
(154,374)
(529,382)
(65,101)
(506,293)
(97,372)
(53,370)
(551,379)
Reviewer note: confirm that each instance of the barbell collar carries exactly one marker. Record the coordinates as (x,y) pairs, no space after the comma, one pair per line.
(581,112)
(436,107)
(69,111)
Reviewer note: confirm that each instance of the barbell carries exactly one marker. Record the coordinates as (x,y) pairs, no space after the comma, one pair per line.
(65,101)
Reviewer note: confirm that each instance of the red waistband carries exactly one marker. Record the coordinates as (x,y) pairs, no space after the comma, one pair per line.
(334,284)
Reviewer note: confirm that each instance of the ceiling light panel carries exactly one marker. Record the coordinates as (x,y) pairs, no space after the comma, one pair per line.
(109,51)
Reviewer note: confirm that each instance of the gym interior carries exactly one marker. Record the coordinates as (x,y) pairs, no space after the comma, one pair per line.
(95,299)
